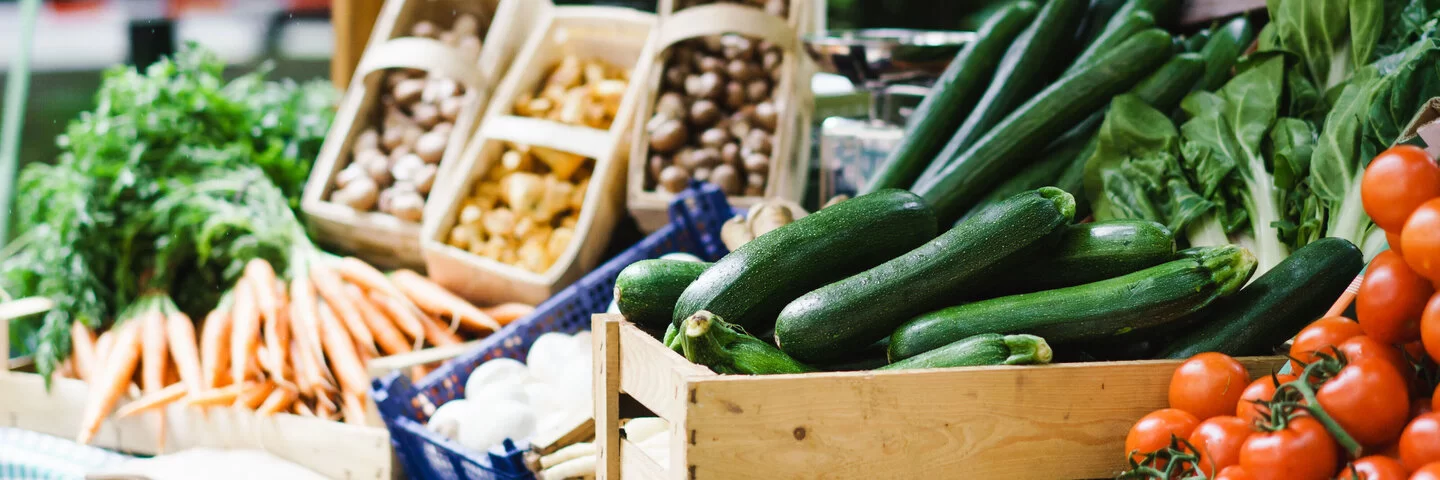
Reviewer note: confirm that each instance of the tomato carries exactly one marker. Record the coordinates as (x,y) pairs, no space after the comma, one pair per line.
(1319,336)
(1430,471)
(1421,240)
(1395,183)
(1420,442)
(1208,385)
(1218,440)
(1430,328)
(1303,450)
(1262,389)
(1369,399)
(1374,467)
(1420,406)
(1391,299)
(1393,240)
(1153,431)
(1234,472)
(1356,348)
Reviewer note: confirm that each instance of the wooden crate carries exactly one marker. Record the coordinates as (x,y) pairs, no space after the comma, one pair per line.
(378,238)
(791,147)
(1046,422)
(621,37)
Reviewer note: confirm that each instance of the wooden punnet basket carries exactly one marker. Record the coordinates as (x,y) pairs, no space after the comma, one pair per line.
(1063,421)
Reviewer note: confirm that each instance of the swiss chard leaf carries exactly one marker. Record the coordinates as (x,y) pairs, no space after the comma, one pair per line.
(1135,170)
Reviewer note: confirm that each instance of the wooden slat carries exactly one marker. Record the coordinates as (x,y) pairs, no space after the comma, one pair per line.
(638,465)
(654,375)
(988,422)
(605,335)
(353,21)
(1201,11)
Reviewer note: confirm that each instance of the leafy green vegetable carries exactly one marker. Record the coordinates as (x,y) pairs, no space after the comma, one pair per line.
(170,184)
(1135,170)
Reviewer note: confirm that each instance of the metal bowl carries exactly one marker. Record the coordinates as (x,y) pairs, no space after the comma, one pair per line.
(885,55)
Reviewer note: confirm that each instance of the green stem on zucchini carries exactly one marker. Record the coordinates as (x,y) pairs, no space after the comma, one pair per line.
(710,341)
(1028,350)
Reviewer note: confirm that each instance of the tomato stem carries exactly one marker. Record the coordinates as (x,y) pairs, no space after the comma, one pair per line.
(1323,367)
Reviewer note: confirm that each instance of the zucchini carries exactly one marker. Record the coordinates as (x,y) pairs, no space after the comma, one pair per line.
(1194,43)
(1226,45)
(850,314)
(749,286)
(646,290)
(1144,299)
(1275,306)
(1097,16)
(982,349)
(1164,88)
(1027,67)
(1038,174)
(1002,151)
(710,341)
(1091,252)
(952,95)
(1125,24)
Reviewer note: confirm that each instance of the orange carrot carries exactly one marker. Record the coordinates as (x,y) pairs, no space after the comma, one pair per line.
(353,406)
(303,410)
(438,332)
(217,396)
(364,275)
(183,348)
(508,312)
(279,400)
(306,326)
(436,300)
(389,337)
(67,368)
(112,380)
(215,344)
(244,331)
(251,397)
(332,289)
(344,361)
(152,401)
(82,349)
(154,351)
(103,345)
(405,316)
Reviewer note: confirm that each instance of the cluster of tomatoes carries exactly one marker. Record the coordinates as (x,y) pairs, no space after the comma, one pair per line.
(1357,402)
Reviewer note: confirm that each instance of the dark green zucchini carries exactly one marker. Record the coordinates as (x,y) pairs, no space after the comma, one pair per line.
(1038,174)
(845,316)
(1275,306)
(952,96)
(1223,50)
(982,349)
(1008,147)
(708,340)
(749,286)
(1125,24)
(1144,299)
(1091,252)
(646,291)
(1097,17)
(1194,43)
(1028,65)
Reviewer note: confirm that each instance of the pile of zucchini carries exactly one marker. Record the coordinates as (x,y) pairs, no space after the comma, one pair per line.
(868,283)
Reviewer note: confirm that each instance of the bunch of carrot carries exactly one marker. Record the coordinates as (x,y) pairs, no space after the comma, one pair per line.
(271,345)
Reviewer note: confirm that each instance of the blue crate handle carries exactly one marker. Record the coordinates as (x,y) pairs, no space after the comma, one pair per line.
(696,216)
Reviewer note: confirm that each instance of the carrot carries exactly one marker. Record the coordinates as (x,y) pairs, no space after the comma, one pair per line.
(306,326)
(82,350)
(324,406)
(303,410)
(153,400)
(390,339)
(439,332)
(112,380)
(332,289)
(364,275)
(214,343)
(343,359)
(217,396)
(103,345)
(279,400)
(268,302)
(509,312)
(67,368)
(252,396)
(405,316)
(353,406)
(436,300)
(181,333)
(155,354)
(244,331)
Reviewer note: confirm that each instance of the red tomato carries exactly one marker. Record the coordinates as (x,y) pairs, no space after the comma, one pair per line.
(1234,472)
(1319,336)
(1208,385)
(1391,299)
(1420,442)
(1395,183)
(1153,431)
(1430,328)
(1356,348)
(1416,349)
(1301,451)
(1218,440)
(1420,406)
(1393,239)
(1421,240)
(1262,389)
(1369,399)
(1374,467)
(1430,471)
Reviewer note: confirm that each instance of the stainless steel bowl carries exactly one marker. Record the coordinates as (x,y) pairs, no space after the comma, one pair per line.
(885,55)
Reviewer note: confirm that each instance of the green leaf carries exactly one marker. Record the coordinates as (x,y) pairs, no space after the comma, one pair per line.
(1135,170)
(1366,21)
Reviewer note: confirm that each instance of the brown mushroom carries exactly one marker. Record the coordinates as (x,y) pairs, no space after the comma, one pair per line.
(765,115)
(450,108)
(408,91)
(701,174)
(757,163)
(739,70)
(757,90)
(674,178)
(431,146)
(757,141)
(426,114)
(704,113)
(424,28)
(408,206)
(726,178)
(359,194)
(704,85)
(734,95)
(655,165)
(369,139)
(424,178)
(730,154)
(714,138)
(669,136)
(671,105)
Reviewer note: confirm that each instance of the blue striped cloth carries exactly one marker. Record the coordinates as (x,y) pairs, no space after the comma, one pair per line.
(27,455)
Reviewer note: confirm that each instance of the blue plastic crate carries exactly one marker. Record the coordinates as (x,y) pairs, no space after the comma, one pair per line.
(695,219)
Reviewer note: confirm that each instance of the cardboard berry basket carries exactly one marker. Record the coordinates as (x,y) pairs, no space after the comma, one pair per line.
(380,238)
(1061,421)
(618,37)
